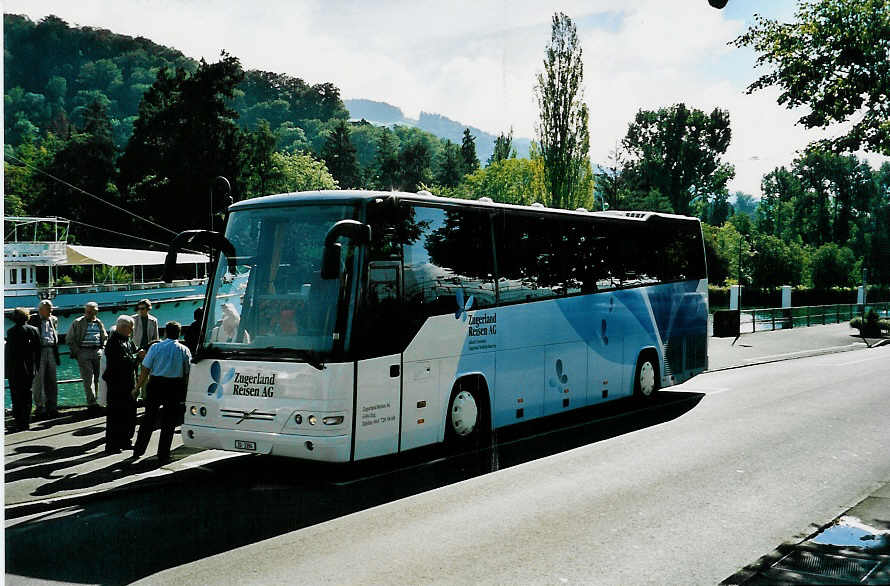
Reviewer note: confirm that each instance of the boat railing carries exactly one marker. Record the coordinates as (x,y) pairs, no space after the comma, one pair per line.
(111,287)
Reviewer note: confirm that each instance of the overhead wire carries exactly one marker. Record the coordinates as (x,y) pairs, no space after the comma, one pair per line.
(116,232)
(76,188)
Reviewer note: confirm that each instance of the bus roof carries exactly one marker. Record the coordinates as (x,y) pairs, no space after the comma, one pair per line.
(358,196)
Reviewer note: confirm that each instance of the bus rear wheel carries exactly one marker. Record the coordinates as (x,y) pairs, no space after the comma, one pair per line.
(646,378)
(466,425)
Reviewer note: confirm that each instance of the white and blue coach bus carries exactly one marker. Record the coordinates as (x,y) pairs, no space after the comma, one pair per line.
(374,323)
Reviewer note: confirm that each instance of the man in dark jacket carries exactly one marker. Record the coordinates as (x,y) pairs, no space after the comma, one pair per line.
(121,359)
(22,355)
(193,331)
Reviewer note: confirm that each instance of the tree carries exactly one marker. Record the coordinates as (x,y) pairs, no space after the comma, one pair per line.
(678,152)
(833,60)
(744,203)
(562,130)
(780,188)
(877,230)
(259,169)
(609,182)
(87,160)
(776,263)
(186,135)
(832,266)
(414,162)
(732,246)
(470,162)
(22,185)
(718,210)
(299,172)
(513,181)
(387,161)
(449,173)
(503,148)
(339,156)
(718,263)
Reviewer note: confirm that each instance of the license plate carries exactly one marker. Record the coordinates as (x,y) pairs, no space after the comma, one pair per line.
(239,445)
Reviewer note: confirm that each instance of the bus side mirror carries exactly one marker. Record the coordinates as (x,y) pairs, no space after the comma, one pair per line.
(197,238)
(356,231)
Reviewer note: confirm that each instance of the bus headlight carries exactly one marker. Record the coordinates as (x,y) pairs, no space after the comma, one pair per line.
(193,410)
(333,420)
(203,411)
(313,420)
(298,419)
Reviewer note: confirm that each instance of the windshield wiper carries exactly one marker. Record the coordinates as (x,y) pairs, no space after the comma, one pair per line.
(308,356)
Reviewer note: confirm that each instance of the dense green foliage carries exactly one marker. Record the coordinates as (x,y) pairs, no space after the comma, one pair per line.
(563,135)
(146,128)
(677,152)
(834,59)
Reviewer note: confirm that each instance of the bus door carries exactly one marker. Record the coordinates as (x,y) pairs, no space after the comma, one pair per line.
(378,379)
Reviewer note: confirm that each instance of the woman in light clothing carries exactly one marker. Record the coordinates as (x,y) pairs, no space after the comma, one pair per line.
(226,330)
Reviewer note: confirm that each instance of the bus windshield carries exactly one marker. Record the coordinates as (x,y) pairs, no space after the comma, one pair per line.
(286,310)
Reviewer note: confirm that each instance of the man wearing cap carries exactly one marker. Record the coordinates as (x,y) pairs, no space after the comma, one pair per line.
(168,364)
(45,387)
(86,337)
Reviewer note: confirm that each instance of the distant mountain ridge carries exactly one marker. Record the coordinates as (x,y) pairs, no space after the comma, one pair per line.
(383,114)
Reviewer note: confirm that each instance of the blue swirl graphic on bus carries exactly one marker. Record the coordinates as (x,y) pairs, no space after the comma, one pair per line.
(561,378)
(463,308)
(216,387)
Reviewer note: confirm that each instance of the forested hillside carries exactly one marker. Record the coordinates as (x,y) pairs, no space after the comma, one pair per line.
(92,113)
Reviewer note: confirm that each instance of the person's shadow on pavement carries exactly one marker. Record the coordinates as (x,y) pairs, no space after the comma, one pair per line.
(114,471)
(53,457)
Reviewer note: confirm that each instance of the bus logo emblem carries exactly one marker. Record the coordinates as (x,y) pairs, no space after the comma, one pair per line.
(216,387)
(463,308)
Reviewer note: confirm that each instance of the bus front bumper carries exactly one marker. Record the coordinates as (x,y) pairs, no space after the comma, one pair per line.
(320,448)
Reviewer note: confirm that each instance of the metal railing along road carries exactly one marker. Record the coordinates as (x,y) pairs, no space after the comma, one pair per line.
(779,318)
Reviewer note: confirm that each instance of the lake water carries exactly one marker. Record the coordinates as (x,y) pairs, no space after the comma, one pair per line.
(70,394)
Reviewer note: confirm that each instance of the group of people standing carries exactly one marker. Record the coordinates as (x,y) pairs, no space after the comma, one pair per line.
(132,347)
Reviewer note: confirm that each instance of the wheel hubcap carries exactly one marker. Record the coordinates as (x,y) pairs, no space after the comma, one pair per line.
(464,414)
(647,379)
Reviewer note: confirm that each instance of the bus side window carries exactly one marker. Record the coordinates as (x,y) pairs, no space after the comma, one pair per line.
(451,260)
(527,266)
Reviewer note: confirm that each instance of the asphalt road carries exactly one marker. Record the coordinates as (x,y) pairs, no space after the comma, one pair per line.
(686,490)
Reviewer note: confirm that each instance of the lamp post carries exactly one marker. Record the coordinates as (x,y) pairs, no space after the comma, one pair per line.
(602,198)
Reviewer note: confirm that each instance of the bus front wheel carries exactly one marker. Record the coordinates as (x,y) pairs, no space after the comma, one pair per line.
(465,425)
(646,379)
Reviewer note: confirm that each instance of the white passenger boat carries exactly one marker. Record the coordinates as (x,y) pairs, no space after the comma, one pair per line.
(36,249)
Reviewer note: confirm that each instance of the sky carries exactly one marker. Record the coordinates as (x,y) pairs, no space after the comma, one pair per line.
(476,61)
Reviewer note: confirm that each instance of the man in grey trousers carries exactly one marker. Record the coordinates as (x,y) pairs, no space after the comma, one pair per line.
(45,388)
(86,337)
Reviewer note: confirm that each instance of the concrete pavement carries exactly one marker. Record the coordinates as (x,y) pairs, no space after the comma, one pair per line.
(773,346)
(62,462)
